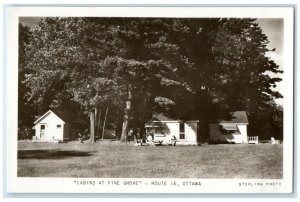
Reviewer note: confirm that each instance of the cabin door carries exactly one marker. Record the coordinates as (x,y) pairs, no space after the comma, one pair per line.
(42,131)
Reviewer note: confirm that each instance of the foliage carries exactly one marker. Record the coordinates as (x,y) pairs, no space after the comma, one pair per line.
(187,68)
(25,109)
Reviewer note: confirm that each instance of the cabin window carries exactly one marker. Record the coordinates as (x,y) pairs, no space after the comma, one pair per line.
(181,131)
(42,127)
(58,126)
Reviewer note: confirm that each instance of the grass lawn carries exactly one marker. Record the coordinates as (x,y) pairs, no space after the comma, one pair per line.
(114,159)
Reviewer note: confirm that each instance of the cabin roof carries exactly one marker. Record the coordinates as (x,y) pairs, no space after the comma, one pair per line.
(157,118)
(237,117)
(45,115)
(161,117)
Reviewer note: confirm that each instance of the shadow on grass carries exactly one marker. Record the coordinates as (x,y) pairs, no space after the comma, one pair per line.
(51,154)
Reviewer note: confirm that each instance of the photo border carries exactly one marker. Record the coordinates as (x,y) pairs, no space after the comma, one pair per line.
(143,194)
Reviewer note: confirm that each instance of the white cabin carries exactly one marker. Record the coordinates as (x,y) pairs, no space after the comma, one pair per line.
(50,127)
(163,129)
(230,131)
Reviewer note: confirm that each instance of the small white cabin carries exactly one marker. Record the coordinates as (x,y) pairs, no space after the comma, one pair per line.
(51,127)
(163,129)
(230,131)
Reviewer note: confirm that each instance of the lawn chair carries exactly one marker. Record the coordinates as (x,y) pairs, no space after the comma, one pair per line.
(173,141)
(80,140)
(137,142)
(149,141)
(273,141)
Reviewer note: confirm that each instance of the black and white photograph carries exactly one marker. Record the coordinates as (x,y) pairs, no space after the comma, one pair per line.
(161,102)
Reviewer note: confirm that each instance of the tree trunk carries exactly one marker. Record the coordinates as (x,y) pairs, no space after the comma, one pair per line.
(126,116)
(203,129)
(92,126)
(95,122)
(142,128)
(99,122)
(104,122)
(124,128)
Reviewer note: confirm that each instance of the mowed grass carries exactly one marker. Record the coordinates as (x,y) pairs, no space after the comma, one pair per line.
(112,159)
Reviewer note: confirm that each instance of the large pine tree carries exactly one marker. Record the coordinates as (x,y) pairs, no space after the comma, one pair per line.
(186,68)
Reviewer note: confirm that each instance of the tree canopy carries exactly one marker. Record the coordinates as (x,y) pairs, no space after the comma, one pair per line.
(186,68)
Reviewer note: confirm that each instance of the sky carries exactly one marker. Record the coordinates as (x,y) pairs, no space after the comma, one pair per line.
(29,21)
(273,28)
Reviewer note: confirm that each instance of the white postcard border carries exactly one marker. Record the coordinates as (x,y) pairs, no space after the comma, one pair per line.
(68,185)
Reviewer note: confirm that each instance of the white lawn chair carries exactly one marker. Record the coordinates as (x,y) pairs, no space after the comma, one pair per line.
(149,141)
(273,141)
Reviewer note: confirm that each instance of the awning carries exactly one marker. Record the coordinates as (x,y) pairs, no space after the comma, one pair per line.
(153,125)
(230,127)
